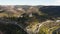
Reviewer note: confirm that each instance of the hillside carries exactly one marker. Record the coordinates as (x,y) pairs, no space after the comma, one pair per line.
(29,19)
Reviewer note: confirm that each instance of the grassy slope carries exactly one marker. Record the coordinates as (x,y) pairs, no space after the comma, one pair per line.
(48,28)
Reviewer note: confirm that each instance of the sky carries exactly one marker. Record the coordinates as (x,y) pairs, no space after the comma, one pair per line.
(29,2)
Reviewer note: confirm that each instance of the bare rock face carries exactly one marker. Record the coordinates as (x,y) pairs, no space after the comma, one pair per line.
(11,11)
(33,10)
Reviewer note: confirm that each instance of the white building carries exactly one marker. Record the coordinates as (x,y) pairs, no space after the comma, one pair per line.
(57,20)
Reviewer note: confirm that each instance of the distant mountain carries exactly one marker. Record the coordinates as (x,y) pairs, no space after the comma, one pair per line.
(51,10)
(22,6)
